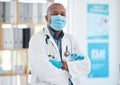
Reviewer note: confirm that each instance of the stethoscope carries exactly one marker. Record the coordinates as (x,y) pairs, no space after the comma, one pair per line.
(66,53)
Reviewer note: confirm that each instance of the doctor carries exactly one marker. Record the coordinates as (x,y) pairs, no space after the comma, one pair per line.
(55,57)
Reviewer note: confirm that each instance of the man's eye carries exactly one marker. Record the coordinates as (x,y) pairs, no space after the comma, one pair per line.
(59,14)
(63,15)
(56,14)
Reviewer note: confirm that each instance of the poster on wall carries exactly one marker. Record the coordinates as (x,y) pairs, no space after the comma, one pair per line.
(98,53)
(97,21)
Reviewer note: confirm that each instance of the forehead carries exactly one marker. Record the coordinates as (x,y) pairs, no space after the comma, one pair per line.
(56,8)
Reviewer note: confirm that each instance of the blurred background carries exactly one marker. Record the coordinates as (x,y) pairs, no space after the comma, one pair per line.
(94,23)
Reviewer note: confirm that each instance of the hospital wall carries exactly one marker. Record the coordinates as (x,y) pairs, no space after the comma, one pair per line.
(77,26)
(118,37)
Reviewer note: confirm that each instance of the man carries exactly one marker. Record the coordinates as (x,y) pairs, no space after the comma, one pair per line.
(55,57)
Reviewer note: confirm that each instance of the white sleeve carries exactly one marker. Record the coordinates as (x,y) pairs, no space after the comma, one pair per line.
(39,60)
(80,67)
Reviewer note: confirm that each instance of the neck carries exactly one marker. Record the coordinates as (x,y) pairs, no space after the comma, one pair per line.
(56,31)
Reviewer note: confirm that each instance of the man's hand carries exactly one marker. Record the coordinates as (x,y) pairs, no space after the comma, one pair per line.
(64,66)
(75,57)
(56,63)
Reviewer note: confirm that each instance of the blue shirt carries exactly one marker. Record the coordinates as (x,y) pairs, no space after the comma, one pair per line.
(58,40)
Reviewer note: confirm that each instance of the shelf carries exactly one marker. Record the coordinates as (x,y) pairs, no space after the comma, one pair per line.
(11,74)
(25,49)
(25,14)
(4,0)
(8,23)
(33,1)
(29,23)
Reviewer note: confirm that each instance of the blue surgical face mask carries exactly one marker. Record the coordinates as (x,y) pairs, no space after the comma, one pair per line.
(58,22)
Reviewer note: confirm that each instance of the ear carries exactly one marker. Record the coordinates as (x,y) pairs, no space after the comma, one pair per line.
(46,18)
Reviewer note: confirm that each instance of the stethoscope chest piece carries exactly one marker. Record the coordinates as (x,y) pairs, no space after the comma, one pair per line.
(66,53)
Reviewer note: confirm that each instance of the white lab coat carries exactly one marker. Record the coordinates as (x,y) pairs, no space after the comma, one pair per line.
(43,72)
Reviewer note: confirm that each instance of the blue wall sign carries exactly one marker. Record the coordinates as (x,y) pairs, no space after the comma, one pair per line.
(98,53)
(97,21)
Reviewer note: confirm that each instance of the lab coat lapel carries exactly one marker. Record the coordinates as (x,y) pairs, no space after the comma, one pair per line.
(53,43)
(66,43)
(51,40)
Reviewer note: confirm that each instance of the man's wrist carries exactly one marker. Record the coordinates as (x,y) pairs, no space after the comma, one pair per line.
(64,65)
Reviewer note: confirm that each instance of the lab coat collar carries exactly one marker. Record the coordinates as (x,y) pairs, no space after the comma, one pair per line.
(46,31)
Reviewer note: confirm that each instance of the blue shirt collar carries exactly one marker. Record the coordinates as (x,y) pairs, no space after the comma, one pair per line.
(54,35)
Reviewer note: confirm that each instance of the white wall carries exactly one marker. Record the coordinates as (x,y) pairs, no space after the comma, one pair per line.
(118,32)
(77,24)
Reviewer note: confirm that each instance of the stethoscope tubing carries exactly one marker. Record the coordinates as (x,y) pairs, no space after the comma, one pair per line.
(47,37)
